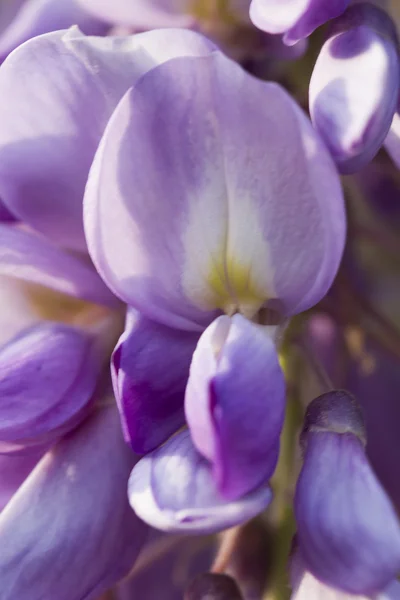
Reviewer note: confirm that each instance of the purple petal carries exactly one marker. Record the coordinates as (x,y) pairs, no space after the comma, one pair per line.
(307,587)
(52,120)
(392,142)
(14,469)
(142,14)
(234,405)
(41,16)
(172,489)
(150,368)
(69,532)
(355,85)
(189,133)
(29,258)
(5,215)
(348,531)
(47,377)
(296,18)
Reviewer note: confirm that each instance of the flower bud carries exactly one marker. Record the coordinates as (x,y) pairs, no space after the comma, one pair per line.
(348,531)
(213,586)
(355,84)
(172,489)
(48,375)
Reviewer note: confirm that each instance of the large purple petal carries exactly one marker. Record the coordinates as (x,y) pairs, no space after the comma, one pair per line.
(150,368)
(41,16)
(52,120)
(235,403)
(29,258)
(355,85)
(172,489)
(221,191)
(296,18)
(69,532)
(14,469)
(47,377)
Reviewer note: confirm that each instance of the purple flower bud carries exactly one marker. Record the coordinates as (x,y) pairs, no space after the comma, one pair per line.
(355,85)
(296,18)
(213,586)
(172,489)
(48,375)
(348,531)
(235,403)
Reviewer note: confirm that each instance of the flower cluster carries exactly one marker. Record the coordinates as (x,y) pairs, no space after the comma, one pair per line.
(186,347)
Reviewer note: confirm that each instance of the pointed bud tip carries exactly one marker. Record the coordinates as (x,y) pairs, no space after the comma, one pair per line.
(337,411)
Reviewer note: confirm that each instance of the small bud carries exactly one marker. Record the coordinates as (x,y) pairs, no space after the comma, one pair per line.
(355,84)
(213,586)
(348,531)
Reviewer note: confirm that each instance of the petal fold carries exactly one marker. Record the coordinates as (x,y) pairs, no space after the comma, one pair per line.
(69,532)
(150,368)
(295,18)
(235,403)
(53,119)
(172,489)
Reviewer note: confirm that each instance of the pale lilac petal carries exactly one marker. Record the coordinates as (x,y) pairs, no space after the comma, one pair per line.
(348,530)
(355,85)
(142,14)
(195,149)
(150,368)
(52,120)
(41,16)
(296,18)
(69,532)
(14,469)
(172,489)
(47,377)
(27,257)
(307,587)
(235,403)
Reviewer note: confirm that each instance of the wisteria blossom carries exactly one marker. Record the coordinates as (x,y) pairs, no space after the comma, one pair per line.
(200,336)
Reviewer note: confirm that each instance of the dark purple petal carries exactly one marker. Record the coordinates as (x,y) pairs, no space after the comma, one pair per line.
(355,85)
(235,403)
(150,368)
(52,120)
(172,489)
(27,257)
(348,531)
(69,532)
(189,133)
(47,377)
(296,18)
(5,215)
(42,16)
